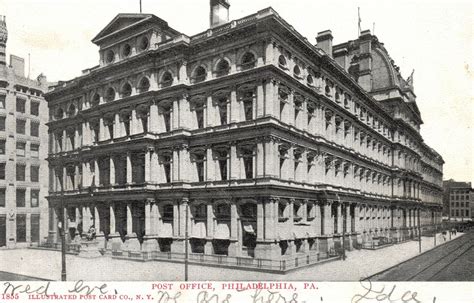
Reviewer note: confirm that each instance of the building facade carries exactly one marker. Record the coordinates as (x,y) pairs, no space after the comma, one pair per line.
(459,197)
(23,152)
(246,137)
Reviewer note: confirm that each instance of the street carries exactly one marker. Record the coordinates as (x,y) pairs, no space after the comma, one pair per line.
(452,261)
(359,264)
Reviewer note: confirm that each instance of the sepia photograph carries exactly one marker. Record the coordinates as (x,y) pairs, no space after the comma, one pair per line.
(225,140)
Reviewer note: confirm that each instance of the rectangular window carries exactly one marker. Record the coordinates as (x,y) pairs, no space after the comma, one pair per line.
(20,172)
(21,149)
(34,108)
(2,147)
(34,129)
(20,105)
(34,198)
(20,126)
(34,173)
(20,228)
(2,101)
(2,171)
(2,197)
(20,197)
(2,123)
(34,150)
(35,227)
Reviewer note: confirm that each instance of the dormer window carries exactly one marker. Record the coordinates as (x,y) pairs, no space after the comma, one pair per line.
(126,90)
(126,50)
(199,74)
(110,94)
(144,43)
(109,56)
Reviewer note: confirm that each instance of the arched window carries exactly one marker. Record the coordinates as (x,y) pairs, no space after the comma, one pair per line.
(222,68)
(144,43)
(248,210)
(144,85)
(166,79)
(110,94)
(109,56)
(95,100)
(222,211)
(126,50)
(297,71)
(71,111)
(126,90)
(59,114)
(199,74)
(310,80)
(282,61)
(248,61)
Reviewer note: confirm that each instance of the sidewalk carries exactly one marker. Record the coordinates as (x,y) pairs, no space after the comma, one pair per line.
(358,264)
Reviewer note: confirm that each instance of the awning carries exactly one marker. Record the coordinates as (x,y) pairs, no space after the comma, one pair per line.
(165,230)
(222,231)
(199,230)
(249,228)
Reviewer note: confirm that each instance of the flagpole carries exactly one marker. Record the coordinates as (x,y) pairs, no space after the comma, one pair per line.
(140,6)
(358,21)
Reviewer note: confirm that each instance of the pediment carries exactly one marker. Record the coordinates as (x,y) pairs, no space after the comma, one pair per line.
(126,21)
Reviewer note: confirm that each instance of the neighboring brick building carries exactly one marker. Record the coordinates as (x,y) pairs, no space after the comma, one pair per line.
(23,151)
(270,147)
(459,198)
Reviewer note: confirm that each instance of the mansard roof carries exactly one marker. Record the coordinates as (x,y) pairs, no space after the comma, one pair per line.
(127,21)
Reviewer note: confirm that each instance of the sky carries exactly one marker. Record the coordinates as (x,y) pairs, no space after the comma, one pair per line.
(435,38)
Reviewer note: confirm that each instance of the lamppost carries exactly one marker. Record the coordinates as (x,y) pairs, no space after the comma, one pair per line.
(61,227)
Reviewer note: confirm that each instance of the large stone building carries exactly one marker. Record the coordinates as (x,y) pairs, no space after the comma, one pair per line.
(23,152)
(260,144)
(458,196)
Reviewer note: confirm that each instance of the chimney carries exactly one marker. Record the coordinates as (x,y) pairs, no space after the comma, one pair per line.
(3,39)
(219,12)
(324,42)
(341,56)
(18,65)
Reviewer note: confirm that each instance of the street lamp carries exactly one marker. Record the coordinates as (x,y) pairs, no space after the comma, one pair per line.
(63,246)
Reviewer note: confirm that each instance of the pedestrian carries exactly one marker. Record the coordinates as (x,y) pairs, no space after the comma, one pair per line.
(444,235)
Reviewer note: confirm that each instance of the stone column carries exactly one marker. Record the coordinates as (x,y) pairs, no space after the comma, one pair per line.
(148,178)
(154,118)
(112,170)
(117,126)
(234,106)
(150,242)
(129,167)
